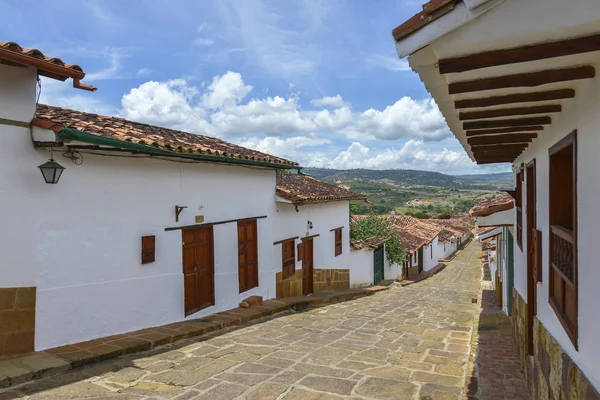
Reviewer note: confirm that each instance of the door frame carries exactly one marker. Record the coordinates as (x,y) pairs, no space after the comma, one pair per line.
(531,215)
(308,263)
(212,266)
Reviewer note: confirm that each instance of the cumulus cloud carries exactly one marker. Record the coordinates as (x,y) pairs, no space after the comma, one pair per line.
(330,101)
(291,148)
(412,155)
(224,109)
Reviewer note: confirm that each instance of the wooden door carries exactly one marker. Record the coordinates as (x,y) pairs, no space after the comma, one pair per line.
(378,265)
(307,266)
(511,270)
(198,269)
(420,260)
(531,267)
(247,255)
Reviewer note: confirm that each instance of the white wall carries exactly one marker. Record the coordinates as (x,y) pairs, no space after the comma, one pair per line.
(582,114)
(324,217)
(430,258)
(445,250)
(496,219)
(79,241)
(361,268)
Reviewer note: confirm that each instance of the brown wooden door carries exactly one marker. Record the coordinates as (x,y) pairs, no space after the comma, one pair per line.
(247,255)
(420,260)
(307,266)
(198,269)
(531,266)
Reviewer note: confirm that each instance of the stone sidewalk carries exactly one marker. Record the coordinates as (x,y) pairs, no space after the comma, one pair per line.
(405,343)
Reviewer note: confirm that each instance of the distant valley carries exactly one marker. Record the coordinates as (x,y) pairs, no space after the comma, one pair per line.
(419,193)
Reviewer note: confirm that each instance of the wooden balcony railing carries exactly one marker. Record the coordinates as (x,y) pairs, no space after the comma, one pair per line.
(562,253)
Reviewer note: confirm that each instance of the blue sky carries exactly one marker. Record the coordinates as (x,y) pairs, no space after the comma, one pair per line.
(315,81)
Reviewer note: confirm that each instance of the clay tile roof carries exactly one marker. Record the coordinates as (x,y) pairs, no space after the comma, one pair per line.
(413,232)
(489,207)
(11,53)
(432,10)
(56,118)
(304,189)
(372,243)
(487,229)
(453,227)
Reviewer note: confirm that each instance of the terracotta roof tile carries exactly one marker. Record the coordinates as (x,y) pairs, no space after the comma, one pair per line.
(56,118)
(489,207)
(453,227)
(304,189)
(413,232)
(12,53)
(372,243)
(432,10)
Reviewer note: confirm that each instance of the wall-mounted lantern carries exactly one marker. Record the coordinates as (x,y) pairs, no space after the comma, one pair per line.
(51,170)
(309,225)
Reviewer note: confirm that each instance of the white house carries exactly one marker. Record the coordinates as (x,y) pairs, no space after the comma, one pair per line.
(312,228)
(145,226)
(369,264)
(455,234)
(516,82)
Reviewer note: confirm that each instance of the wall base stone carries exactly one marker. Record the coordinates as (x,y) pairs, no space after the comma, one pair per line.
(17,320)
(323,279)
(551,373)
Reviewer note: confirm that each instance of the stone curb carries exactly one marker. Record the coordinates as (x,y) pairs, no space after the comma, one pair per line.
(20,369)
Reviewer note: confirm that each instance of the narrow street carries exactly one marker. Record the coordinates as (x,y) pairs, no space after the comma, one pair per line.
(409,342)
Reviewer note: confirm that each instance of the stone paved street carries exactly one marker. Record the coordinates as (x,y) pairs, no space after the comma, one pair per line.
(405,343)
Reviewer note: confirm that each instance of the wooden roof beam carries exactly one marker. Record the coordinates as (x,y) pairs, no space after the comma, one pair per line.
(507,123)
(515,98)
(495,131)
(505,112)
(540,51)
(531,79)
(494,161)
(515,138)
(499,146)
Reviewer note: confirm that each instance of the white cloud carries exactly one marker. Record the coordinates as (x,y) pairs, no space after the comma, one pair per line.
(330,101)
(291,85)
(143,72)
(114,57)
(203,42)
(390,63)
(290,148)
(62,94)
(413,155)
(406,118)
(223,109)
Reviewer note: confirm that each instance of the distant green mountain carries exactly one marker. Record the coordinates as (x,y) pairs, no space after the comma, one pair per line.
(410,177)
(501,177)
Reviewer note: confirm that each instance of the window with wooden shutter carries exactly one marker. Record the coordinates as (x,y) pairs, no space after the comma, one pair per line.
(338,241)
(288,259)
(247,255)
(562,278)
(148,249)
(519,207)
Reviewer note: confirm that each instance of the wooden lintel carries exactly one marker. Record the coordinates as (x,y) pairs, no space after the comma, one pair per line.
(285,240)
(515,98)
(511,138)
(531,52)
(506,123)
(495,131)
(506,112)
(531,79)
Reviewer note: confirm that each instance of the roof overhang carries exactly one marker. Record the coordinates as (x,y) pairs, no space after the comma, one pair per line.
(500,80)
(492,233)
(506,217)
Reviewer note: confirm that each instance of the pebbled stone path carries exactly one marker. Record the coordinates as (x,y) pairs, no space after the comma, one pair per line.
(409,342)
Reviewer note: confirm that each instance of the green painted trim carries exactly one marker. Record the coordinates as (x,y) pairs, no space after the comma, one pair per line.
(71,134)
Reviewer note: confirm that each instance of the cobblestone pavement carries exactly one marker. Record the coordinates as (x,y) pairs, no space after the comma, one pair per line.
(405,343)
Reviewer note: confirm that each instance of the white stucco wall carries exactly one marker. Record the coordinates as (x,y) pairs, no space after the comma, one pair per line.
(445,250)
(324,217)
(500,218)
(361,268)
(430,258)
(582,114)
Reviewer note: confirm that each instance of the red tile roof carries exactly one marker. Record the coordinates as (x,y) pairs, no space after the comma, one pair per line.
(13,54)
(413,232)
(489,207)
(487,229)
(304,189)
(453,227)
(432,10)
(56,119)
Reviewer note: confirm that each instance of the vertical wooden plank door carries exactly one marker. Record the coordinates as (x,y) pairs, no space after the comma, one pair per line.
(307,266)
(198,269)
(247,255)
(378,265)
(420,260)
(531,267)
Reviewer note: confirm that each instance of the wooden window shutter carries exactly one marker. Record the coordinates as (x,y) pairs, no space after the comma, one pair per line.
(300,251)
(537,255)
(148,249)
(338,241)
(288,259)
